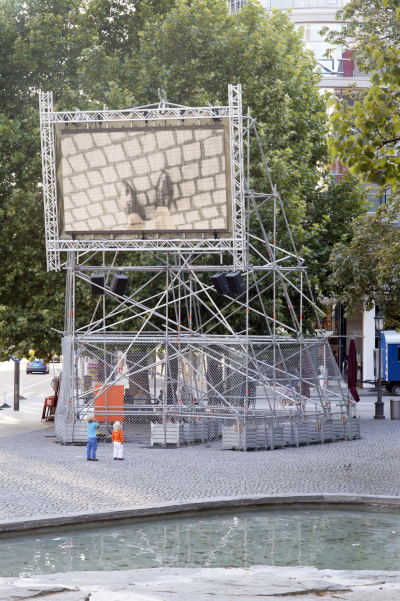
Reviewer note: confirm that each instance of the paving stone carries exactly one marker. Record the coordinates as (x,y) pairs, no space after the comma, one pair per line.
(39,477)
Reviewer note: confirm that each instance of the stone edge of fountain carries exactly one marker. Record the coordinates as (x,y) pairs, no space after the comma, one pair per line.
(194,506)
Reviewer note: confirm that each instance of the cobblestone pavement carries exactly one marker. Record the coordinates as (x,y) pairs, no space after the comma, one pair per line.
(39,477)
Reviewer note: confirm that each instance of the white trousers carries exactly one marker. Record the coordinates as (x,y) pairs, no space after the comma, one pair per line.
(118,450)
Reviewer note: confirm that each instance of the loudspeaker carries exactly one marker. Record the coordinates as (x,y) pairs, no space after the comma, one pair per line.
(220,284)
(235,282)
(119,284)
(96,280)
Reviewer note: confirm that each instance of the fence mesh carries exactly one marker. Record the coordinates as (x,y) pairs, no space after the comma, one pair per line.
(226,391)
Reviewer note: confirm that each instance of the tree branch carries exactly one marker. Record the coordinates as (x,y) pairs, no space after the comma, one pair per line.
(389,142)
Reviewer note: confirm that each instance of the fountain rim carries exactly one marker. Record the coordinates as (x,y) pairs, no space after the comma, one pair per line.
(175,508)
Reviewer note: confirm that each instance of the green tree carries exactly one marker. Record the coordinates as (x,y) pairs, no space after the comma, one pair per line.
(365,136)
(329,222)
(102,51)
(37,50)
(366,269)
(366,124)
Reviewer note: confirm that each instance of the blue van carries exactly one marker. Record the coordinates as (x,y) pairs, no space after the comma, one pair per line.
(390,350)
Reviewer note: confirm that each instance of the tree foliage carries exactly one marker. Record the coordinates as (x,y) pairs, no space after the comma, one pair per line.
(367,268)
(106,52)
(366,136)
(329,222)
(366,125)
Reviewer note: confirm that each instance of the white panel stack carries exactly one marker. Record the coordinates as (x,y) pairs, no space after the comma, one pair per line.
(239,437)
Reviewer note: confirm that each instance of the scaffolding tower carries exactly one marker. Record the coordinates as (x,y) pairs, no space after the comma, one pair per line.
(172,360)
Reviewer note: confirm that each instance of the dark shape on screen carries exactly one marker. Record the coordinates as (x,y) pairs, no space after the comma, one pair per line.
(164,191)
(139,201)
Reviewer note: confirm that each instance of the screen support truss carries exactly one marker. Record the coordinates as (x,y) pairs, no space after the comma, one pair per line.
(163,113)
(49,180)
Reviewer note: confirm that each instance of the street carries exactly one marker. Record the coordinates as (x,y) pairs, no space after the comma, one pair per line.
(34,388)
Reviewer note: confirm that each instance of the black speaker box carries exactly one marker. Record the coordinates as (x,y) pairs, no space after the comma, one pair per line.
(96,280)
(119,284)
(220,284)
(235,282)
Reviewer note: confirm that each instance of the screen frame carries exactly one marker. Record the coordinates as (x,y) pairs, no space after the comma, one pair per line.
(62,248)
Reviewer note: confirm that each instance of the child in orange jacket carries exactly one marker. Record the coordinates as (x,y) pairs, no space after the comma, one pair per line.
(118,440)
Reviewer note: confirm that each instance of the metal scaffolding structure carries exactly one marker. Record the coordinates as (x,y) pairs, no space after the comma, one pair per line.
(171,359)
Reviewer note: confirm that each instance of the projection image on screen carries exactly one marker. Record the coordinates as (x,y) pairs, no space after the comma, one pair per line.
(155,179)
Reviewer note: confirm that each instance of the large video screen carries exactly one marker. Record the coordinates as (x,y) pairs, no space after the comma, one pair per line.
(153,179)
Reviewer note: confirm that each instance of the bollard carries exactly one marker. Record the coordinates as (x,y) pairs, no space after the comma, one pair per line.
(394,408)
(16,385)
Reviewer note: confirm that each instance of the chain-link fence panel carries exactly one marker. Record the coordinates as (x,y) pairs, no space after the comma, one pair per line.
(227,392)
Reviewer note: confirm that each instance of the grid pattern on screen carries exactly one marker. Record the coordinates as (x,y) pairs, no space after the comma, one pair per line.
(148,179)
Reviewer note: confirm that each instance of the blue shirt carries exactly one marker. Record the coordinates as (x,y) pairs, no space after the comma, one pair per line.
(91,429)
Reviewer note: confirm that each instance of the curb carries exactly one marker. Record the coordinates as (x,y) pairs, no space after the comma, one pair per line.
(194,506)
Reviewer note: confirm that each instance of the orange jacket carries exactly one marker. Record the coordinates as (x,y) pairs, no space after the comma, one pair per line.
(117,436)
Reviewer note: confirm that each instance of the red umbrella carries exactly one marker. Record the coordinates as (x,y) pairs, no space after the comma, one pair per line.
(352,368)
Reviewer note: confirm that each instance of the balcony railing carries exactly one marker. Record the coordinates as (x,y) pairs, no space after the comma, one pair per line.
(285,4)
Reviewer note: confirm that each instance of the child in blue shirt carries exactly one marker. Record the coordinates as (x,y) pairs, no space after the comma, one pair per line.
(92,426)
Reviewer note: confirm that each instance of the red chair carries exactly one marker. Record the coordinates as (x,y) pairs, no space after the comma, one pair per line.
(50,405)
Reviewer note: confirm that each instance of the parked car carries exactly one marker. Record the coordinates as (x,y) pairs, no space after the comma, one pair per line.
(37,366)
(56,359)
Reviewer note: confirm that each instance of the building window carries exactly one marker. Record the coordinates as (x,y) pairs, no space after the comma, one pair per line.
(337,171)
(376,200)
(340,64)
